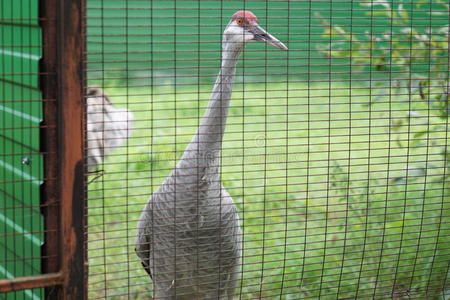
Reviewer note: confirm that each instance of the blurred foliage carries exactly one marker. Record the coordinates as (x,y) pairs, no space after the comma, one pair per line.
(413,61)
(320,217)
(397,231)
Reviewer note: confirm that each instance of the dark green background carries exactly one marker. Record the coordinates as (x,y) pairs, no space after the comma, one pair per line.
(153,41)
(20,115)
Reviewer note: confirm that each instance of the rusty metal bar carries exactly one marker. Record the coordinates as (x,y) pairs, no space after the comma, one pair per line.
(30,282)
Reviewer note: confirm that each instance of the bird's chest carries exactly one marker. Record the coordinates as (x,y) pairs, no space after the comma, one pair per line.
(203,212)
(192,204)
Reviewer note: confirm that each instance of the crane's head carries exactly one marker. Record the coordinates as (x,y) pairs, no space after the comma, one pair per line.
(243,28)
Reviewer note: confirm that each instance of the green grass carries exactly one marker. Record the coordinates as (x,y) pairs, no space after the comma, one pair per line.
(333,196)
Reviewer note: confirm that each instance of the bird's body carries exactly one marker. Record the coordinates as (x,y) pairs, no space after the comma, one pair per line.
(189,236)
(107,127)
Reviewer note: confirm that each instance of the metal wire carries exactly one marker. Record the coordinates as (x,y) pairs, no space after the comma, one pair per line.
(335,152)
(21,161)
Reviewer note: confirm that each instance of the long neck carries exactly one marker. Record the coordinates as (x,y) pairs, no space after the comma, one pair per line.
(212,125)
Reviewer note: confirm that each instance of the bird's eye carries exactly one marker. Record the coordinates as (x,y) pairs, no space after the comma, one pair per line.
(240,21)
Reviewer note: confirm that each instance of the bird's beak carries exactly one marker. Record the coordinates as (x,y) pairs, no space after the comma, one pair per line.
(259,34)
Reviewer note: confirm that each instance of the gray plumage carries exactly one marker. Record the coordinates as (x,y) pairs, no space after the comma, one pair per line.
(189,236)
(107,127)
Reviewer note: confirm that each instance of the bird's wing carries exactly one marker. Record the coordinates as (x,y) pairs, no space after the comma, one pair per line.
(145,264)
(143,240)
(143,251)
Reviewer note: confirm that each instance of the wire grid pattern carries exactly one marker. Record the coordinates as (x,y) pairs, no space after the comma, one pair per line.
(21,169)
(335,152)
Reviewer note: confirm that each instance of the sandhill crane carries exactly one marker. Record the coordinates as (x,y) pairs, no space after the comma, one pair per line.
(107,127)
(188,236)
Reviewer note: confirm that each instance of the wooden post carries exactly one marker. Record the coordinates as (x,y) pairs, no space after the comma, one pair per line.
(64,207)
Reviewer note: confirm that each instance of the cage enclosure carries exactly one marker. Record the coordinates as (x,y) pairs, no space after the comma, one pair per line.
(228,149)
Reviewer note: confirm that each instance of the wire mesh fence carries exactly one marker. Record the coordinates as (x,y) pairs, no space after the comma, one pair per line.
(323,175)
(21,223)
(335,152)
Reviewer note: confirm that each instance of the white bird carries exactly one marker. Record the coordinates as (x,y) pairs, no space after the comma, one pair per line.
(189,236)
(107,127)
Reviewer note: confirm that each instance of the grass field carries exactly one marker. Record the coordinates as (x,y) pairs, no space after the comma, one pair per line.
(336,201)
